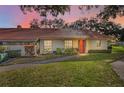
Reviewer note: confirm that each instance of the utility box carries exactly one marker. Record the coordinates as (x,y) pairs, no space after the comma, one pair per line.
(3,57)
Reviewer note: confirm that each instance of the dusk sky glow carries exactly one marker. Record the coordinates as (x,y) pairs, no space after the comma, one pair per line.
(11,16)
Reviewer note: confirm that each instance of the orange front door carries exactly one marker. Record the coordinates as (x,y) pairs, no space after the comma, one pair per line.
(82,46)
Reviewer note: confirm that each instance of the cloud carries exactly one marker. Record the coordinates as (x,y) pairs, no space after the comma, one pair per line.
(25,23)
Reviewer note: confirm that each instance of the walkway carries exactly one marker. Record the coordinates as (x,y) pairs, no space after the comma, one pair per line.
(118,67)
(18,66)
(55,60)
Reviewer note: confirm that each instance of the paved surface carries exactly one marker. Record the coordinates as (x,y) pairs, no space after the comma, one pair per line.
(18,66)
(55,60)
(118,67)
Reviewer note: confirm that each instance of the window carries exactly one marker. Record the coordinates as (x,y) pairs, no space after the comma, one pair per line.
(48,45)
(68,43)
(99,43)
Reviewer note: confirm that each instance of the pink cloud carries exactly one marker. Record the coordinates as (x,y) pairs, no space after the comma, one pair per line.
(25,23)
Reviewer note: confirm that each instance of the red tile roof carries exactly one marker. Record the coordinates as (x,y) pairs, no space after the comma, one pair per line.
(47,33)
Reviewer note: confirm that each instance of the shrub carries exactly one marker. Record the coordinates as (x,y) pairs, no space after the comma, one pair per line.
(59,51)
(46,51)
(99,51)
(3,57)
(2,49)
(13,53)
(110,47)
(70,51)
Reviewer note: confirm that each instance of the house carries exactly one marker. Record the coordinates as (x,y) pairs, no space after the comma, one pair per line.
(29,41)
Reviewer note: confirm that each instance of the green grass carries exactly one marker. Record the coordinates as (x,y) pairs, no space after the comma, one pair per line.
(90,70)
(118,49)
(63,74)
(100,57)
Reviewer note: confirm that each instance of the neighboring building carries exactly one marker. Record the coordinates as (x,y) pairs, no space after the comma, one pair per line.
(30,41)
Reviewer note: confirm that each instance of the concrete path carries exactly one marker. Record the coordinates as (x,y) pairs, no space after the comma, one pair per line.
(118,67)
(18,66)
(55,60)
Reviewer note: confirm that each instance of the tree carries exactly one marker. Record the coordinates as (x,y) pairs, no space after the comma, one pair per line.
(45,23)
(44,10)
(104,27)
(57,23)
(122,34)
(79,24)
(109,11)
(34,24)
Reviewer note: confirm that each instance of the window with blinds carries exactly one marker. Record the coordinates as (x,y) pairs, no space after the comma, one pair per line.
(68,43)
(48,45)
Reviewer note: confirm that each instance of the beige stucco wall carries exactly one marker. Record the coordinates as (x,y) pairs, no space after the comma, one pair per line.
(87,46)
(75,43)
(57,44)
(17,47)
(41,46)
(92,45)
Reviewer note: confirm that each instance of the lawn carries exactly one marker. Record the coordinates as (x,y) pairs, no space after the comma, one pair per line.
(90,70)
(118,48)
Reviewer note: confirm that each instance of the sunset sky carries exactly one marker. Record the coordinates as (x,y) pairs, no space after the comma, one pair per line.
(11,16)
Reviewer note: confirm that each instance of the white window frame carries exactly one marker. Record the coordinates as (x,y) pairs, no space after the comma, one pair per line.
(68,44)
(48,45)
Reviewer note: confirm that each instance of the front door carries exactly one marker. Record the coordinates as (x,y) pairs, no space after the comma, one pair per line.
(82,46)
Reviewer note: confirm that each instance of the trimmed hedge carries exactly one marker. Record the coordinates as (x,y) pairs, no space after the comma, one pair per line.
(13,53)
(100,51)
(59,51)
(70,51)
(67,51)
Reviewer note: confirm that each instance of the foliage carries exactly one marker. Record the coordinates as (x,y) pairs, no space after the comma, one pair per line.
(3,57)
(99,51)
(103,27)
(46,51)
(57,23)
(34,24)
(108,11)
(70,51)
(44,10)
(45,23)
(2,49)
(59,51)
(67,51)
(14,53)
(111,11)
(122,34)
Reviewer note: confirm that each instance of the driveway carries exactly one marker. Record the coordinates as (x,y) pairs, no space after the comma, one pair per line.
(18,66)
(118,67)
